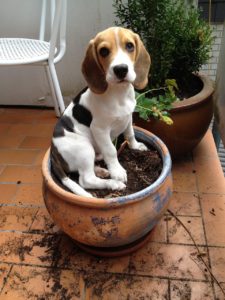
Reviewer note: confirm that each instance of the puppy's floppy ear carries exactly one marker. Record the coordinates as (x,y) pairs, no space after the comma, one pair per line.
(142,64)
(92,71)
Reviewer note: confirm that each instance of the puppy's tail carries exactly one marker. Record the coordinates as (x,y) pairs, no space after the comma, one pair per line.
(74,187)
(57,163)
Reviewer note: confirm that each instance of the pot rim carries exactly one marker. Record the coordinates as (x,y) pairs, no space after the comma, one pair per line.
(117,201)
(202,96)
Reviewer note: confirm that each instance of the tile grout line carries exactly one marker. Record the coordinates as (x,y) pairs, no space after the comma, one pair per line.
(3,168)
(5,279)
(167,232)
(22,205)
(32,222)
(22,140)
(169,289)
(204,230)
(196,193)
(105,272)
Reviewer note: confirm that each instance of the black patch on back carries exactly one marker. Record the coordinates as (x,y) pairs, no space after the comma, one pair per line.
(81,113)
(64,123)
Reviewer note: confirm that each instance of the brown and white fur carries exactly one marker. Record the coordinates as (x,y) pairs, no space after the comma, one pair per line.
(116,61)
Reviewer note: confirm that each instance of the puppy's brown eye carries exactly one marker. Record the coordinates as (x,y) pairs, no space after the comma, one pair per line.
(130,47)
(104,51)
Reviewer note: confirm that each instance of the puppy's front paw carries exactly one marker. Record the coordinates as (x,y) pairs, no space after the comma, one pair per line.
(142,147)
(116,185)
(118,173)
(139,146)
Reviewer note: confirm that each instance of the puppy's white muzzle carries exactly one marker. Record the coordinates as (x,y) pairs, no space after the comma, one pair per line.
(121,69)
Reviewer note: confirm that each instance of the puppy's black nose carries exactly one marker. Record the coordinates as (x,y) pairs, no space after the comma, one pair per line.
(121,71)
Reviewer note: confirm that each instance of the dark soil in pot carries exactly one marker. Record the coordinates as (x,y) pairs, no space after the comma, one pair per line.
(192,86)
(143,168)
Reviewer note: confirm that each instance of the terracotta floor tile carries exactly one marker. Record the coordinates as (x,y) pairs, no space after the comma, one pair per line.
(35,142)
(72,257)
(185,204)
(206,148)
(4,271)
(117,287)
(43,130)
(2,167)
(191,290)
(31,249)
(40,130)
(40,283)
(16,218)
(45,250)
(217,256)
(87,276)
(39,158)
(10,141)
(22,117)
(172,261)
(43,222)
(19,129)
(220,295)
(7,192)
(48,117)
(29,194)
(22,111)
(159,232)
(213,209)
(10,156)
(4,128)
(184,178)
(24,174)
(177,234)
(210,175)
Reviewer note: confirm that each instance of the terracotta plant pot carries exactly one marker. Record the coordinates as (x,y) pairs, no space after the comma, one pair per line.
(191,118)
(111,222)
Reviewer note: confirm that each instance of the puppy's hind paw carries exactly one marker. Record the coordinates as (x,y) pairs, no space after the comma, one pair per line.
(101,172)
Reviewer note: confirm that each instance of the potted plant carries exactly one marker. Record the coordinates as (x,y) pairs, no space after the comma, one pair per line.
(106,226)
(179,43)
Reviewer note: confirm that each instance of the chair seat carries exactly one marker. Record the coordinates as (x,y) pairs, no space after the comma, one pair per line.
(22,51)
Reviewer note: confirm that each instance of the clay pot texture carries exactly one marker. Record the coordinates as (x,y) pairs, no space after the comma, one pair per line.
(191,118)
(110,222)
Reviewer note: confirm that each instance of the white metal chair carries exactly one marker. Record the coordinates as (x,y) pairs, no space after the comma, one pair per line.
(24,51)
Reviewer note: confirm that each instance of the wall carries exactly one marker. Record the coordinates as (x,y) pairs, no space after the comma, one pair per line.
(211,67)
(25,85)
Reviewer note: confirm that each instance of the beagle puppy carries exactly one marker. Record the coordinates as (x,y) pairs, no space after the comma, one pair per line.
(116,61)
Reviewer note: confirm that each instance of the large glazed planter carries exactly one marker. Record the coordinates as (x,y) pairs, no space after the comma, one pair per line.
(191,118)
(114,222)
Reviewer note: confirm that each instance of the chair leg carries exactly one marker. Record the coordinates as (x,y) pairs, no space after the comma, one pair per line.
(56,87)
(57,112)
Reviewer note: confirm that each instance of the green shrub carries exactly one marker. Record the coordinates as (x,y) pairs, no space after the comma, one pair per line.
(177,39)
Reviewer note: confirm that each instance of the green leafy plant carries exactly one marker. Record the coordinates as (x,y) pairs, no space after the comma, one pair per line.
(178,41)
(157,106)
